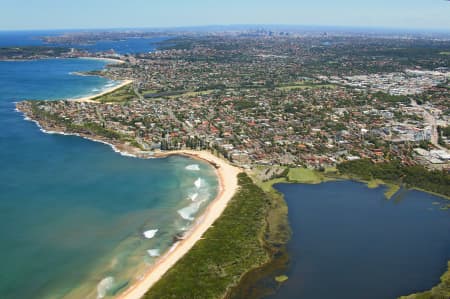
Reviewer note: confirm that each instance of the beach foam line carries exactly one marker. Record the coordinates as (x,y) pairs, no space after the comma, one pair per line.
(174,246)
(114,148)
(153,252)
(193,167)
(150,233)
(104,286)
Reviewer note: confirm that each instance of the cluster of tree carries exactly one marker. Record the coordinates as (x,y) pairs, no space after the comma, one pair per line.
(411,176)
(196,143)
(244,104)
(384,97)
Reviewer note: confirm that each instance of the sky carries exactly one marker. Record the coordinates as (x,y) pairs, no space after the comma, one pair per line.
(81,14)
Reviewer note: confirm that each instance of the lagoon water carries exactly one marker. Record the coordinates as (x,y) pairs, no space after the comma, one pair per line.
(76,219)
(350,242)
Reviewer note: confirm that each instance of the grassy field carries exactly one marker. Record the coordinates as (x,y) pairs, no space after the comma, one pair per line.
(305,176)
(389,193)
(445,53)
(121,95)
(235,245)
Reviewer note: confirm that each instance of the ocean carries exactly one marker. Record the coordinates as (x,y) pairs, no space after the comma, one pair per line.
(78,220)
(124,46)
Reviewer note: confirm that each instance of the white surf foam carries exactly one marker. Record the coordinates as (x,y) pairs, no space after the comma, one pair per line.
(153,252)
(114,148)
(193,167)
(199,183)
(150,233)
(184,228)
(174,246)
(193,196)
(104,286)
(188,212)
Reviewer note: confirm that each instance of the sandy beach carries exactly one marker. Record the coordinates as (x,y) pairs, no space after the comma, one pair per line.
(110,60)
(89,99)
(228,184)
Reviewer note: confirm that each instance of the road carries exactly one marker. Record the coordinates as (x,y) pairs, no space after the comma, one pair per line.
(430,120)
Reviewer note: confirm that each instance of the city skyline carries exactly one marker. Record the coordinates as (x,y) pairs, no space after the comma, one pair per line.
(46,15)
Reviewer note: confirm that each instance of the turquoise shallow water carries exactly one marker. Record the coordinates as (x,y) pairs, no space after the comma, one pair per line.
(73,212)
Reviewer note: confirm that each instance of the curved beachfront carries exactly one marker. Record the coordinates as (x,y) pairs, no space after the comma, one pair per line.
(91,98)
(228,184)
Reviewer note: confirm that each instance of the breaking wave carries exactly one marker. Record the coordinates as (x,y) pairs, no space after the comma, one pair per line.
(199,183)
(188,212)
(150,233)
(193,167)
(153,252)
(193,196)
(104,286)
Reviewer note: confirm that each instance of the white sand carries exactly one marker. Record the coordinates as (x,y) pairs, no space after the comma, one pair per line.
(89,99)
(111,60)
(228,185)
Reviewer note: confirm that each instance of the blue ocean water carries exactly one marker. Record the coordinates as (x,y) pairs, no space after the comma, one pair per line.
(124,46)
(72,212)
(350,242)
(22,38)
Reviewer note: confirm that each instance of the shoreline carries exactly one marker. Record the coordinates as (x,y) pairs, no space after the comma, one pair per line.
(228,185)
(111,60)
(90,99)
(227,175)
(120,148)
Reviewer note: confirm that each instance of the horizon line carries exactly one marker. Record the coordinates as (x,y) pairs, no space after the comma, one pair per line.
(299,26)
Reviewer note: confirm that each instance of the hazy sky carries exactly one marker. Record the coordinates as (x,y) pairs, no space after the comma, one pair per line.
(63,14)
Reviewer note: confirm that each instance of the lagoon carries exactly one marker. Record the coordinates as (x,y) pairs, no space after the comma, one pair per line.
(350,242)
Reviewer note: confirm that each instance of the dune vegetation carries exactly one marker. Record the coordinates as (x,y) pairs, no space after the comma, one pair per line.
(242,239)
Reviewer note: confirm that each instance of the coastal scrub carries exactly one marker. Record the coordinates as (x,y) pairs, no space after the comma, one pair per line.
(230,248)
